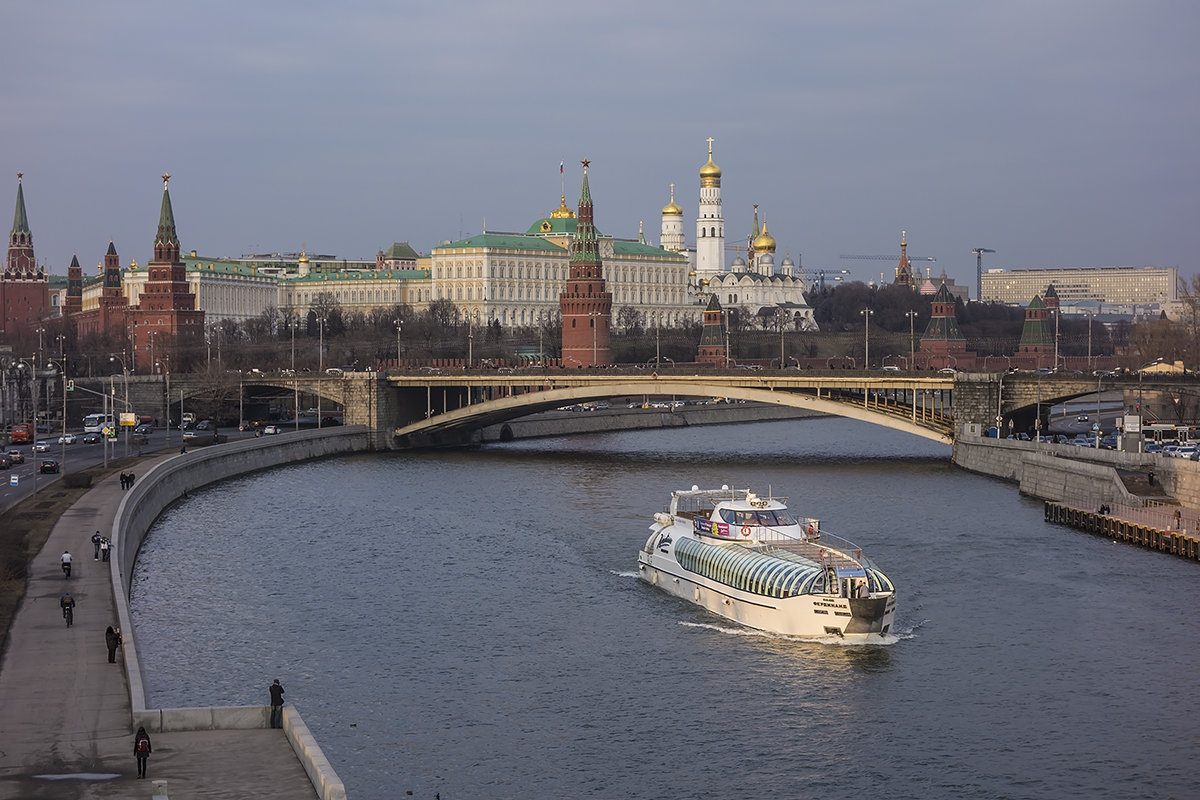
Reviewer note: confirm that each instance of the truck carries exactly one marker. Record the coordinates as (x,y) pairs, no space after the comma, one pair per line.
(22,433)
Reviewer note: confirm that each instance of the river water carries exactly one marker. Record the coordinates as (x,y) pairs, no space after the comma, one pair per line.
(469,623)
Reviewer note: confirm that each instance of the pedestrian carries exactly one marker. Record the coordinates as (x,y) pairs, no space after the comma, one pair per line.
(131,479)
(142,750)
(105,548)
(1150,477)
(112,638)
(1178,520)
(276,704)
(96,537)
(124,478)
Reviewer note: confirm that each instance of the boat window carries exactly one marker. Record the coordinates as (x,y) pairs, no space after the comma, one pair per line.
(730,516)
(774,519)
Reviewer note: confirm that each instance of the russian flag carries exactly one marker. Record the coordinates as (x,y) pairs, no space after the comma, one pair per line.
(560,167)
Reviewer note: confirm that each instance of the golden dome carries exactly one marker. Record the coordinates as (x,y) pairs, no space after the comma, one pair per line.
(672,208)
(710,173)
(764,242)
(562,212)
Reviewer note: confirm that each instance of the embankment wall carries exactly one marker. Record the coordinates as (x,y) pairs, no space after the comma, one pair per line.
(166,481)
(566,423)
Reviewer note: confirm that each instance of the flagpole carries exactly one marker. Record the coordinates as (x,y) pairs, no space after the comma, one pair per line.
(562,180)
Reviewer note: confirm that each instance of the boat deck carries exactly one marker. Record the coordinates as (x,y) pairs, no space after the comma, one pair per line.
(828,553)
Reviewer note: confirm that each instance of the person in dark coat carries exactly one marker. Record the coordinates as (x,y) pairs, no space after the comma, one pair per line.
(113,639)
(276,704)
(142,750)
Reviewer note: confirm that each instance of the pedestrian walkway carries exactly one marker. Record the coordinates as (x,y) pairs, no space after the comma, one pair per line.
(65,711)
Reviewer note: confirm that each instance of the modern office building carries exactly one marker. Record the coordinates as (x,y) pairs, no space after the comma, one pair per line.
(1132,286)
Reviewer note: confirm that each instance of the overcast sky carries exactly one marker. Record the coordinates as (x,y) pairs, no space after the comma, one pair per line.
(1056,133)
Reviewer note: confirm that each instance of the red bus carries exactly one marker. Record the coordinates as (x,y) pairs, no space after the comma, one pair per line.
(22,432)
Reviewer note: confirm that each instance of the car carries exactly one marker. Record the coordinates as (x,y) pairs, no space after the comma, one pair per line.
(334,371)
(206,425)
(5,461)
(1082,418)
(15,457)
(947,371)
(67,438)
(271,430)
(92,438)
(429,369)
(49,465)
(144,428)
(41,447)
(891,368)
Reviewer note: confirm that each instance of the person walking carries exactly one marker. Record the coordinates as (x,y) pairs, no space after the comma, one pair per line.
(105,548)
(96,537)
(112,638)
(276,690)
(142,750)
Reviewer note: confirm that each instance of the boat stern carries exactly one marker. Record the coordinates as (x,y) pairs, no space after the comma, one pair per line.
(871,614)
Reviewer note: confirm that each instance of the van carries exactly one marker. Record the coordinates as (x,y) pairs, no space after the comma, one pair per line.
(334,371)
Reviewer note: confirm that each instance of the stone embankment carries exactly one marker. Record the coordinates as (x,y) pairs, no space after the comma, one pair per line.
(1083,477)
(164,483)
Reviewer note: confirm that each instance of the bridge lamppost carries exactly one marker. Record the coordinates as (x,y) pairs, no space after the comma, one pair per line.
(912,338)
(125,374)
(867,313)
(472,318)
(399,323)
(320,365)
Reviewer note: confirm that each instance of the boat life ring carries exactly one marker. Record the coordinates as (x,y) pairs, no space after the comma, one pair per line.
(810,529)
(745,530)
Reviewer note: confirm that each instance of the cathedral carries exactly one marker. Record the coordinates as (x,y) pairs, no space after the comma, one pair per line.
(752,283)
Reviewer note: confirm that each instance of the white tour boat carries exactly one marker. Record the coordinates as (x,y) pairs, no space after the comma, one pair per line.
(748,559)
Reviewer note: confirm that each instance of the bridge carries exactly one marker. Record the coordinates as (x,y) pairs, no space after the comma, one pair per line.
(450,407)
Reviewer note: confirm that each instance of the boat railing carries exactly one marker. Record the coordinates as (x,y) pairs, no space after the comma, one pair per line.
(820,542)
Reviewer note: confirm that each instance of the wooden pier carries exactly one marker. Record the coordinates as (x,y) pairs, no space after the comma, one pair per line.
(1165,540)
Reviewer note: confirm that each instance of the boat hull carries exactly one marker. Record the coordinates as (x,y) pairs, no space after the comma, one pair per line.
(809,615)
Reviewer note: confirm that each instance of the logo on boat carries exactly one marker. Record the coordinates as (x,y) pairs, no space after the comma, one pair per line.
(710,527)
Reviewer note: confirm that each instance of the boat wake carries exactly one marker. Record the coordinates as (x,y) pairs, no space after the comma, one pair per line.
(886,639)
(624,573)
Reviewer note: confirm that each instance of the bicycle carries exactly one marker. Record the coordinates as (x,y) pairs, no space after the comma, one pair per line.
(68,615)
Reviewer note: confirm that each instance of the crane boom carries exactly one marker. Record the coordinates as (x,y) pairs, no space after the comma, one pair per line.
(888,258)
(979,251)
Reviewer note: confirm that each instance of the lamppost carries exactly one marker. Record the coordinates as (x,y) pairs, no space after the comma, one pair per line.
(471,320)
(866,313)
(165,366)
(320,365)
(1099,427)
(33,392)
(912,338)
(293,320)
(399,327)
(125,375)
(779,319)
(593,315)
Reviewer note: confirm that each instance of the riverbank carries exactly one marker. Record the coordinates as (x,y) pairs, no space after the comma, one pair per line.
(69,713)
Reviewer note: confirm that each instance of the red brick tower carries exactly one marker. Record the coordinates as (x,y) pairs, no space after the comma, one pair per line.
(24,289)
(166,323)
(74,302)
(113,304)
(586,304)
(712,335)
(904,276)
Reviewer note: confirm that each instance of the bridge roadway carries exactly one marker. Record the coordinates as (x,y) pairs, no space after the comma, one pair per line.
(433,407)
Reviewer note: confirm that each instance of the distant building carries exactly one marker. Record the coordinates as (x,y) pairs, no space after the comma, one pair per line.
(1132,286)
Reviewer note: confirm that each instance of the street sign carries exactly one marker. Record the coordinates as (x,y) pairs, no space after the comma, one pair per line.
(128,419)
(13,479)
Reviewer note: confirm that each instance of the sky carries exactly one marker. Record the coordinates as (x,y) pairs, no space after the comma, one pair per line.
(1059,134)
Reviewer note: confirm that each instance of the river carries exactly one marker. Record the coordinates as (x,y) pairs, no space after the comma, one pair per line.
(469,623)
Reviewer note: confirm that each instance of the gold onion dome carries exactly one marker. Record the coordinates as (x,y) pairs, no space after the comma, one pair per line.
(710,173)
(672,208)
(764,242)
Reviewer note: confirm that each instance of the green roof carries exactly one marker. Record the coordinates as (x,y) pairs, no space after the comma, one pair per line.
(400,251)
(360,276)
(625,247)
(503,241)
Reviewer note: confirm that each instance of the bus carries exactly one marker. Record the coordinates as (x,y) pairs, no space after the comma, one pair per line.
(95,423)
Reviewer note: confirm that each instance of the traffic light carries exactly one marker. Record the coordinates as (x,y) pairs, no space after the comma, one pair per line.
(70,386)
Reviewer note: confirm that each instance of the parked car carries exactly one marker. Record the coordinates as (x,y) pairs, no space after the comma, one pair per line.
(15,457)
(68,438)
(49,465)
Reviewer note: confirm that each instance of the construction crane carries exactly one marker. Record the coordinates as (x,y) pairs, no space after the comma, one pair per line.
(979,251)
(890,258)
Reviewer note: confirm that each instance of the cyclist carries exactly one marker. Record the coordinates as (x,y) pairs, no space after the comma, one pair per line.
(66,564)
(68,604)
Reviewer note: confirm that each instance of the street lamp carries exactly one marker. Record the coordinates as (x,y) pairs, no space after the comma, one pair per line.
(593,315)
(33,391)
(472,318)
(912,338)
(320,365)
(399,327)
(125,375)
(866,313)
(780,314)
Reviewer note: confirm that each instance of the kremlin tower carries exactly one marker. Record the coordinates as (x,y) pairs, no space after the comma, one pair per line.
(710,225)
(585,304)
(24,289)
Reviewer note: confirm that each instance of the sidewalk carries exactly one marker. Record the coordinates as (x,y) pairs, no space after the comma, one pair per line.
(65,711)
